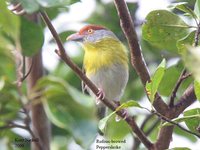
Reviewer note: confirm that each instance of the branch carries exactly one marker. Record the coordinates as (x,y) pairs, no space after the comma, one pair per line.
(186,100)
(174,123)
(29,71)
(178,83)
(127,25)
(25,127)
(196,42)
(141,69)
(145,121)
(149,130)
(62,54)
(137,59)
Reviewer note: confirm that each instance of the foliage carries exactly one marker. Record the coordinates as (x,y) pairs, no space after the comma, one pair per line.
(152,86)
(72,114)
(29,29)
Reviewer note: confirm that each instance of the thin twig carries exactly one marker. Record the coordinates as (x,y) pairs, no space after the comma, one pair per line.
(174,123)
(29,71)
(25,127)
(178,83)
(152,127)
(147,132)
(16,7)
(13,125)
(145,121)
(186,76)
(186,100)
(62,54)
(196,42)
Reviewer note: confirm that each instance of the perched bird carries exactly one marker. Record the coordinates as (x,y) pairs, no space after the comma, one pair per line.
(105,62)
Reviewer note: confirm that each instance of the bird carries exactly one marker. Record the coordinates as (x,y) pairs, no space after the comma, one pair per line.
(105,63)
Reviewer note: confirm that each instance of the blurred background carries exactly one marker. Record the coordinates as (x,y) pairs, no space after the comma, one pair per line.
(72,113)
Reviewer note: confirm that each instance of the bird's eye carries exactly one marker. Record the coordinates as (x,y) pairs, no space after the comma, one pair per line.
(90,31)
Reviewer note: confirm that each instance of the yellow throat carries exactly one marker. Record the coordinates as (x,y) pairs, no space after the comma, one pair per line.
(104,53)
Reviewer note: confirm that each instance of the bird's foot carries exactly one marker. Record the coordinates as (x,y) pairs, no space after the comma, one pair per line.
(101,95)
(124,113)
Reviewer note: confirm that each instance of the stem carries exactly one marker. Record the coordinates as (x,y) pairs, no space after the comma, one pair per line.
(145,121)
(29,71)
(186,100)
(197,36)
(178,83)
(149,130)
(176,124)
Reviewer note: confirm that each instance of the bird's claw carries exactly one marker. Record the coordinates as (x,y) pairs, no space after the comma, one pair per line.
(124,114)
(101,95)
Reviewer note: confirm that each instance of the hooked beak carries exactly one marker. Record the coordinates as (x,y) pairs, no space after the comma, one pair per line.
(75,37)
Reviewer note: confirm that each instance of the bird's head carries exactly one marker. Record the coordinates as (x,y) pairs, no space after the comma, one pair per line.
(91,34)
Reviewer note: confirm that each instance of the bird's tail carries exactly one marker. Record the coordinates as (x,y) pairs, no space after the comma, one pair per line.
(101,112)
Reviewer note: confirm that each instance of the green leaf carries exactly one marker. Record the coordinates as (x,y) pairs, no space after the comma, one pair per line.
(30,6)
(192,123)
(128,104)
(163,28)
(170,78)
(182,119)
(192,61)
(131,103)
(197,89)
(31,37)
(103,122)
(66,110)
(79,97)
(183,43)
(197,8)
(113,126)
(152,86)
(190,137)
(9,23)
(183,7)
(174,5)
(55,3)
(9,101)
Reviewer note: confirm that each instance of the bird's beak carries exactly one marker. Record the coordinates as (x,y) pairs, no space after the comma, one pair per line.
(75,37)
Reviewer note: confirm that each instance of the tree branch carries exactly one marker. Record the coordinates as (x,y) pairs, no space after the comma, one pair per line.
(178,83)
(28,72)
(186,100)
(147,132)
(62,54)
(176,124)
(137,59)
(138,63)
(196,40)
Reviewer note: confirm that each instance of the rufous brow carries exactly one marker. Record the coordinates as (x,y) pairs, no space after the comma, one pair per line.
(93,27)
